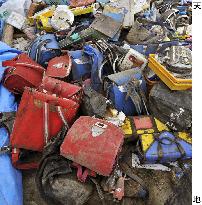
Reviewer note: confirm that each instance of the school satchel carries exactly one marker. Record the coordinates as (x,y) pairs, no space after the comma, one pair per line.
(39,118)
(61,89)
(22,72)
(94,144)
(165,147)
(59,67)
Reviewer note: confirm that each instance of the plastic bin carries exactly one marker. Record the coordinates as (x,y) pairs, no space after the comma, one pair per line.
(171,81)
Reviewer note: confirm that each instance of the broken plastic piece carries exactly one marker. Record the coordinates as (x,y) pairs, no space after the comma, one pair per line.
(136,164)
(62,18)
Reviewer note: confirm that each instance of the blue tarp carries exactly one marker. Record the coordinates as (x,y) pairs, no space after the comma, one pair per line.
(10,178)
(7,99)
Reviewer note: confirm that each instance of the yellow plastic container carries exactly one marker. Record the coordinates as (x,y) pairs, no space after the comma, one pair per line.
(172,82)
(82,10)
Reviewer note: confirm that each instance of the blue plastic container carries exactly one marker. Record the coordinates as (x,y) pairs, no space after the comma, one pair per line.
(97,60)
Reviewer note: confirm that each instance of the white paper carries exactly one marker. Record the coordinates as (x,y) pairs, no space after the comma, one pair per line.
(16,20)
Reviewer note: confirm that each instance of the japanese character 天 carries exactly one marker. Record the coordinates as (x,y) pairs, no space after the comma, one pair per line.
(197,5)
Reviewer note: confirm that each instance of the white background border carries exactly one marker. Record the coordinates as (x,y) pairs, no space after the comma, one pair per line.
(197,102)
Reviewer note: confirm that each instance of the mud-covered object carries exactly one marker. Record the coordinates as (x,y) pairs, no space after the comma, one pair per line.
(145,33)
(56,181)
(182,193)
(94,103)
(7,119)
(177,59)
(173,108)
(78,3)
(90,143)
(169,17)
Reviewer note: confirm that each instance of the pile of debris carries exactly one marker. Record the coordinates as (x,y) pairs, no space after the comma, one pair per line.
(96,96)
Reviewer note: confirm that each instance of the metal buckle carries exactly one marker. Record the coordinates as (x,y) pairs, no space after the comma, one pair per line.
(5,149)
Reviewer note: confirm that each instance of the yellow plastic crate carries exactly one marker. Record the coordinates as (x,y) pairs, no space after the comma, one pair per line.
(171,81)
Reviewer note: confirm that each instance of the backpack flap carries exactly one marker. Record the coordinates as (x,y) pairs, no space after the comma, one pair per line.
(43,111)
(89,143)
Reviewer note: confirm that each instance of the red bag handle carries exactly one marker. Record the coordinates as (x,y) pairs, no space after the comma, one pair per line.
(46,120)
(36,67)
(14,62)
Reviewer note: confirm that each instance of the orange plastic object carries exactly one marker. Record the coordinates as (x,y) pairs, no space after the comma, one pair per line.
(172,82)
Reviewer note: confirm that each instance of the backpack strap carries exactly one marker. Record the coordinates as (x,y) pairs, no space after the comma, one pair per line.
(82,175)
